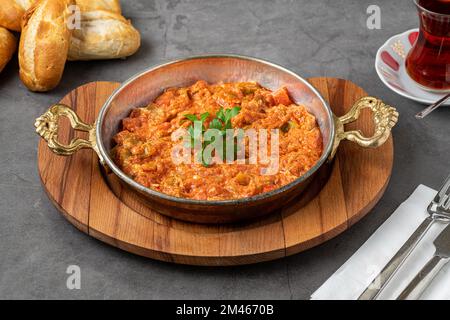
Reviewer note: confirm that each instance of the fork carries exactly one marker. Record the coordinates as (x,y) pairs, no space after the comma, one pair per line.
(439,210)
(441,205)
(440,258)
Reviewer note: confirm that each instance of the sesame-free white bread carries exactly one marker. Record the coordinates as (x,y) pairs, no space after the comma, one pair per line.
(91,5)
(103,35)
(44,44)
(8,45)
(11,13)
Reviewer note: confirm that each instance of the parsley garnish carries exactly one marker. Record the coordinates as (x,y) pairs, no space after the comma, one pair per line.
(221,122)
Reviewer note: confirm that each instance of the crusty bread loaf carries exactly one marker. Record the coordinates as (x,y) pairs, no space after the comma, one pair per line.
(12,11)
(8,45)
(92,5)
(103,35)
(44,44)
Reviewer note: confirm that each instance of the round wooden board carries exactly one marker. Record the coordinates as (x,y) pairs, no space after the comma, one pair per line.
(77,188)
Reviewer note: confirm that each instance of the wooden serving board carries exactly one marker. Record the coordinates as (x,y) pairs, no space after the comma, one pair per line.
(107,212)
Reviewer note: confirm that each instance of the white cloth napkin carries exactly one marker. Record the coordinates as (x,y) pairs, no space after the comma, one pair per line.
(358,272)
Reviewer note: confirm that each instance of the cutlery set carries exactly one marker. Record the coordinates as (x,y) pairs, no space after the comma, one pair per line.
(439,212)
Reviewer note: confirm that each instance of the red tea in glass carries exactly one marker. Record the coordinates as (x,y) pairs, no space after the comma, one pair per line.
(428,62)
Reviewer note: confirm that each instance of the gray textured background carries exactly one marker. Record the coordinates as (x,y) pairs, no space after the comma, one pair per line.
(313,38)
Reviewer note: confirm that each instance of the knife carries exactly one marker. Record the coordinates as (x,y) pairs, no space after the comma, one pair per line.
(422,280)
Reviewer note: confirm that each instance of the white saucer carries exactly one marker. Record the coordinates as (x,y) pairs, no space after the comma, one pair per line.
(390,67)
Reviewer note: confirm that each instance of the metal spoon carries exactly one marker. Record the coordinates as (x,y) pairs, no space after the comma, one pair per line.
(433,107)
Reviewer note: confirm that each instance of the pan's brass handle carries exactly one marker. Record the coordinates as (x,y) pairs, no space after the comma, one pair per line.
(385,118)
(47,127)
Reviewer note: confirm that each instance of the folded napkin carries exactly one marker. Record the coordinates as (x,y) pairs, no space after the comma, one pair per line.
(358,272)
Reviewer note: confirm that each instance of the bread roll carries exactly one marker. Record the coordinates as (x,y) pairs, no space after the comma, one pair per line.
(92,5)
(11,13)
(8,45)
(103,35)
(44,44)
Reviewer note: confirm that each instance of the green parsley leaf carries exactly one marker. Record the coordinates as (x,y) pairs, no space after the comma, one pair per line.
(215,124)
(191,117)
(204,116)
(221,115)
(234,111)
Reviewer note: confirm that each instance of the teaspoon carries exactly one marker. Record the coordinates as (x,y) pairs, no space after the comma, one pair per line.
(433,107)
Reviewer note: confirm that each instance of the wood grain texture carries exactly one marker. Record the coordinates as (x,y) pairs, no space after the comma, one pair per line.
(112,214)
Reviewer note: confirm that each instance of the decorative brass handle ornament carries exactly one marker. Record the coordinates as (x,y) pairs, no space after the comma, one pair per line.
(385,118)
(47,127)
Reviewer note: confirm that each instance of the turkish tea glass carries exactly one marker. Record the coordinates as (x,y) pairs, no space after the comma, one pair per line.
(428,62)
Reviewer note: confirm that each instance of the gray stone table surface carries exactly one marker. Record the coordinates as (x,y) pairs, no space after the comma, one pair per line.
(313,38)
